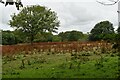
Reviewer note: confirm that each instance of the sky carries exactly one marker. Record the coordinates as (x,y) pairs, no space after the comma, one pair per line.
(80,15)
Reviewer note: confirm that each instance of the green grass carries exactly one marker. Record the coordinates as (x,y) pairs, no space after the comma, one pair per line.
(44,65)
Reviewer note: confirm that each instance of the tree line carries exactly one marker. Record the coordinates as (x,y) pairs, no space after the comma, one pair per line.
(38,23)
(101,31)
(15,37)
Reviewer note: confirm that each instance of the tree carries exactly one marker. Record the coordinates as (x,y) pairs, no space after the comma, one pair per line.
(75,35)
(117,37)
(44,37)
(34,19)
(56,38)
(8,38)
(64,35)
(21,36)
(101,31)
(71,35)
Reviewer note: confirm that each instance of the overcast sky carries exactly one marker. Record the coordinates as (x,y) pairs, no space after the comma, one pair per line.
(78,15)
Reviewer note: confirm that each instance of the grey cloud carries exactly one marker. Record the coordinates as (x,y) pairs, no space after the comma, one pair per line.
(74,15)
(80,16)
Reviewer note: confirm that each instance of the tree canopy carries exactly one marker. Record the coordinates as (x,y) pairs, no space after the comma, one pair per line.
(34,19)
(102,30)
(8,38)
(71,35)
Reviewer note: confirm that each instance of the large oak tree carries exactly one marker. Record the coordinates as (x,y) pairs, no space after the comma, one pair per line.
(34,19)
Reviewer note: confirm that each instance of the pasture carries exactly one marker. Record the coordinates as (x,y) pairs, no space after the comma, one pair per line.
(60,60)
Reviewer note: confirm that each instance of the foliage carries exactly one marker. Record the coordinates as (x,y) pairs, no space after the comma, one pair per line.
(102,31)
(116,44)
(44,37)
(8,38)
(71,35)
(13,37)
(34,19)
(47,37)
(56,38)
(21,36)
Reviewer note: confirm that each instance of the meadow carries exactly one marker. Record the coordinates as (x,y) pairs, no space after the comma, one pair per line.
(60,60)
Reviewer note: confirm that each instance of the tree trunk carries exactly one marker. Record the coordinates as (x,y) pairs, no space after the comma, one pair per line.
(32,37)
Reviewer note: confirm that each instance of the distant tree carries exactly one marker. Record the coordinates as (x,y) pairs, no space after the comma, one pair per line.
(101,31)
(21,36)
(71,35)
(48,37)
(64,35)
(34,19)
(75,35)
(56,38)
(117,37)
(8,38)
(43,37)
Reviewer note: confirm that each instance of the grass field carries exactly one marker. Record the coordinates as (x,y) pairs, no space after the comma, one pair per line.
(60,60)
(84,64)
